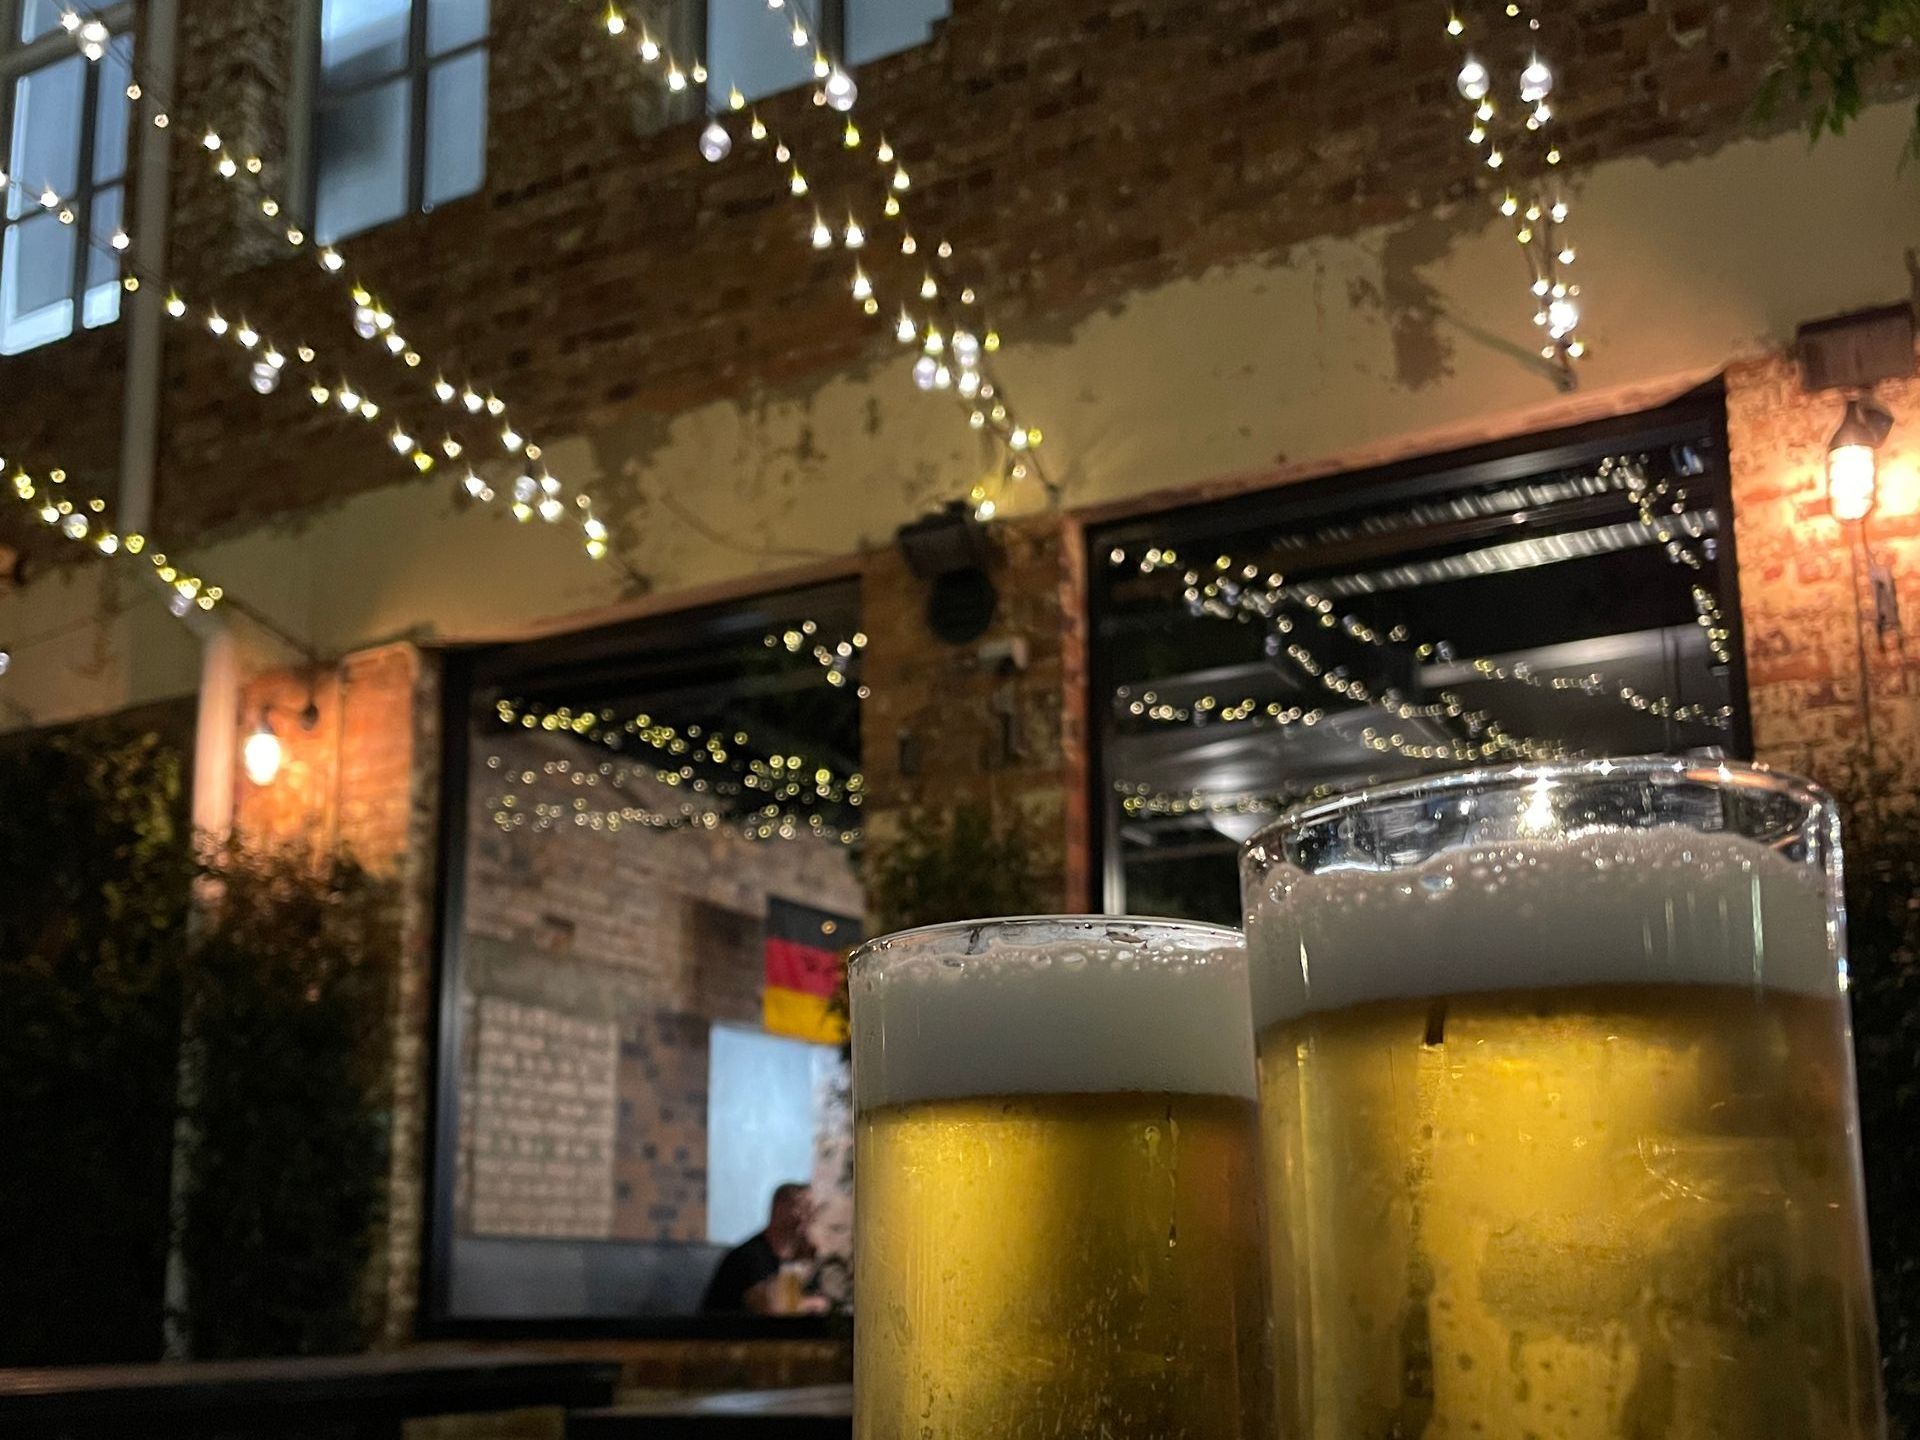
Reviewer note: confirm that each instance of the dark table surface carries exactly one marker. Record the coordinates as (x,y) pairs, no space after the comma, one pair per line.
(812,1412)
(363,1394)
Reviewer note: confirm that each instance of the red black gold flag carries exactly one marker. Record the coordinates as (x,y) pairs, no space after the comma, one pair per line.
(806,955)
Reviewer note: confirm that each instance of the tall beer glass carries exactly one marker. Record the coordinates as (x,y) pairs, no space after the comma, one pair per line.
(1057,1227)
(1557,1109)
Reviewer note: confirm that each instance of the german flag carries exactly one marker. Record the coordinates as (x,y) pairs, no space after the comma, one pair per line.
(806,956)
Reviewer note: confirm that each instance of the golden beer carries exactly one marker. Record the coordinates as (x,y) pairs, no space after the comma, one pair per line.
(1620,1200)
(1058,1231)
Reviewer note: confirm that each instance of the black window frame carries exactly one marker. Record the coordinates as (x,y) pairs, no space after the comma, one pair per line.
(1305,501)
(417,69)
(465,673)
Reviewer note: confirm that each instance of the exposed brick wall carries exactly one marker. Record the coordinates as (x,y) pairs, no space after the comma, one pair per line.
(654,936)
(1811,712)
(539,1122)
(944,728)
(1072,151)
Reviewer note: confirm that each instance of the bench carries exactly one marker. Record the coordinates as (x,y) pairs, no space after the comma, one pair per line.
(353,1395)
(811,1412)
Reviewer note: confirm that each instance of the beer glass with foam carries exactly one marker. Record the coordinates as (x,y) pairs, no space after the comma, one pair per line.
(1056,1211)
(1557,1109)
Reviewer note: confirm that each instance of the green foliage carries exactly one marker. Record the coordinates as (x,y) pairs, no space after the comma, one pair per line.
(289,1006)
(960,866)
(1882,841)
(94,848)
(284,978)
(1830,51)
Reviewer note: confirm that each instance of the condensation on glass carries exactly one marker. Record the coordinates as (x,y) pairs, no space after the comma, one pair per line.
(1055,1183)
(1558,1110)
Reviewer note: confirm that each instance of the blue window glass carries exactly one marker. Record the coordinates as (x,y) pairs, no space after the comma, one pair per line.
(401,114)
(67,182)
(884,27)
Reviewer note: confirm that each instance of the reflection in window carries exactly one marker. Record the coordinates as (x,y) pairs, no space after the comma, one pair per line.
(749,45)
(1255,653)
(659,884)
(401,118)
(67,145)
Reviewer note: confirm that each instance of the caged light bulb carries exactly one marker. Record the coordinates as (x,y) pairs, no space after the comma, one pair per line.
(1473,80)
(715,143)
(1536,81)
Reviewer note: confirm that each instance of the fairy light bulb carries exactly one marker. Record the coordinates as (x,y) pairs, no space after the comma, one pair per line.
(900,179)
(616,22)
(798,184)
(735,100)
(822,232)
(176,307)
(855,237)
(906,331)
(862,286)
(929,287)
(1473,81)
(715,143)
(798,35)
(443,390)
(850,136)
(924,371)
(676,79)
(649,48)
(841,91)
(1536,81)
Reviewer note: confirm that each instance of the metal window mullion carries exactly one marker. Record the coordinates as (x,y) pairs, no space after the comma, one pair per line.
(417,69)
(83,196)
(833,30)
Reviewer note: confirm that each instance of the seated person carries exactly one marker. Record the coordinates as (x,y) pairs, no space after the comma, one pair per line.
(748,1278)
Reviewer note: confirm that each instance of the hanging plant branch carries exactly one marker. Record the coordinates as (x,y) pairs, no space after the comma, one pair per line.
(1831,52)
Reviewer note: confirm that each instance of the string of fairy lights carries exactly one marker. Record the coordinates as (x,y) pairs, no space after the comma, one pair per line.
(838,659)
(533,492)
(84,521)
(1534,198)
(942,315)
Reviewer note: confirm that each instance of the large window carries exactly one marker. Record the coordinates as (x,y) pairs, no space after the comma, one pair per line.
(748,45)
(65,126)
(1569,595)
(400,121)
(651,878)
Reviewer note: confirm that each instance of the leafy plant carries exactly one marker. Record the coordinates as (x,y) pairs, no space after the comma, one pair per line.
(98,872)
(289,1005)
(1882,839)
(1830,51)
(957,866)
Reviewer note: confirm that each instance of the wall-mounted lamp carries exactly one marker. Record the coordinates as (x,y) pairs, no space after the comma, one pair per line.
(262,753)
(1852,465)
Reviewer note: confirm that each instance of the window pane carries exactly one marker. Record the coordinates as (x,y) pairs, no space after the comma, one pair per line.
(760,1124)
(456,128)
(453,23)
(360,152)
(747,46)
(46,133)
(110,109)
(102,302)
(361,39)
(36,280)
(37,17)
(883,27)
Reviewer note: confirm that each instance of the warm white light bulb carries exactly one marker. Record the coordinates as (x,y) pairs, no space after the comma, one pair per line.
(1536,81)
(1851,479)
(822,234)
(855,236)
(261,755)
(1473,80)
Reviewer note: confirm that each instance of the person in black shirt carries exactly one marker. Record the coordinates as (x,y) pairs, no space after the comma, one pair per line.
(745,1279)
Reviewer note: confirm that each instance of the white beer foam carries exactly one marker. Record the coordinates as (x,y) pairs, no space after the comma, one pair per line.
(1666,906)
(1051,1006)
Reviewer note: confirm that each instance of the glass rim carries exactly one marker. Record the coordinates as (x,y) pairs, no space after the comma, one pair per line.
(1729,774)
(1061,926)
